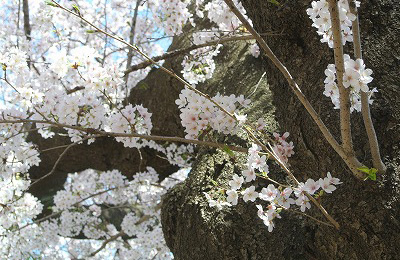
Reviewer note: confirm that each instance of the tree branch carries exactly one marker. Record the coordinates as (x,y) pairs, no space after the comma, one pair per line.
(345,125)
(132,34)
(27,26)
(350,161)
(105,242)
(174,53)
(365,109)
(59,159)
(99,133)
(131,41)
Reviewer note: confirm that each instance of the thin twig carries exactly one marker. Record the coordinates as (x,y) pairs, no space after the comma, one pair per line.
(311,217)
(59,159)
(105,242)
(174,53)
(131,135)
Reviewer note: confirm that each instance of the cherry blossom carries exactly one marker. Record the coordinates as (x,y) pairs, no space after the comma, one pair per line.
(249,194)
(356,77)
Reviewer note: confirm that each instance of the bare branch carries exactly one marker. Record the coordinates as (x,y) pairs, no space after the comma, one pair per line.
(131,41)
(27,26)
(311,217)
(365,109)
(175,53)
(105,242)
(59,159)
(99,133)
(132,33)
(345,124)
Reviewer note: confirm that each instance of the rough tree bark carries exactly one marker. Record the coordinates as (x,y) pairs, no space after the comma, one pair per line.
(368,212)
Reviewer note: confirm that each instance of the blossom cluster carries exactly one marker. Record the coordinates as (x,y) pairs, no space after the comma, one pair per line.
(130,119)
(76,90)
(279,198)
(356,77)
(199,113)
(171,15)
(282,148)
(199,65)
(219,13)
(82,207)
(89,107)
(319,14)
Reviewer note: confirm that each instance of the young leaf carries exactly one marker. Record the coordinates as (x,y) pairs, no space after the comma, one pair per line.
(274,2)
(51,3)
(76,8)
(228,151)
(371,173)
(143,85)
(364,169)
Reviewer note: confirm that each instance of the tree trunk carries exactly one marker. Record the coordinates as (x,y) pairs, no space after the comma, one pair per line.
(368,212)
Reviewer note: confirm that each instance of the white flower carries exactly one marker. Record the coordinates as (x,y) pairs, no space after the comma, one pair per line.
(269,193)
(236,182)
(255,50)
(250,194)
(332,180)
(249,174)
(303,202)
(327,184)
(241,118)
(284,198)
(232,197)
(311,186)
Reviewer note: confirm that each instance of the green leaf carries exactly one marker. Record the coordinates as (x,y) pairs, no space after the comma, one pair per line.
(228,151)
(371,173)
(51,3)
(212,181)
(274,2)
(76,8)
(184,156)
(143,85)
(364,169)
